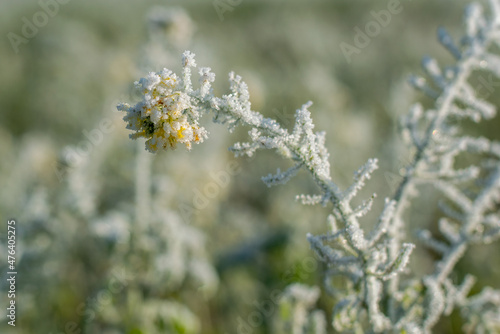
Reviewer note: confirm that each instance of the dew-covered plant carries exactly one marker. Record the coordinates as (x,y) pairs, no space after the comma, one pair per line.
(378,294)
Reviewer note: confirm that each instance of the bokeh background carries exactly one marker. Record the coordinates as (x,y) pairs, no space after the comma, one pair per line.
(112,239)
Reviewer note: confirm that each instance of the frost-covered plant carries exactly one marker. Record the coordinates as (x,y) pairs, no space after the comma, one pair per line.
(146,260)
(296,314)
(119,265)
(373,298)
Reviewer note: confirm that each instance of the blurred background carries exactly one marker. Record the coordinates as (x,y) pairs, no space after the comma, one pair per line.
(112,239)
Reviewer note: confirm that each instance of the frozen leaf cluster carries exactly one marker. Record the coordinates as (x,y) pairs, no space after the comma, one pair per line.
(471,193)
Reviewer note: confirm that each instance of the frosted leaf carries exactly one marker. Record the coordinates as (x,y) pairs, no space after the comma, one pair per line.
(309,199)
(363,174)
(411,122)
(383,222)
(281,177)
(431,66)
(378,320)
(345,314)
(206,79)
(449,231)
(420,84)
(474,20)
(240,149)
(495,9)
(297,315)
(364,208)
(426,238)
(435,305)
(446,40)
(399,264)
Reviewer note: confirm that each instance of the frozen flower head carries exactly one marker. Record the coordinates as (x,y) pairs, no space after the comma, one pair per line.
(167,115)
